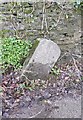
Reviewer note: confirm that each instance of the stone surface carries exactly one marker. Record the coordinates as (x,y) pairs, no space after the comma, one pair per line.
(64,108)
(68,108)
(43,59)
(58,1)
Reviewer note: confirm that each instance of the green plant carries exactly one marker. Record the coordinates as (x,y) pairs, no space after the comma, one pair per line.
(14,51)
(55,70)
(78,4)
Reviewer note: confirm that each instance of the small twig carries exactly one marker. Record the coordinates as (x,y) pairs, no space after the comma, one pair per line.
(44,18)
(63,55)
(31,12)
(79,56)
(33,9)
(78,71)
(24,35)
(24,76)
(42,27)
(58,19)
(37,113)
(14,28)
(56,24)
(46,25)
(12,8)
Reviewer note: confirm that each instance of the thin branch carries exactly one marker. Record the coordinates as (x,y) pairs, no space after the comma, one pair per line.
(79,56)
(58,19)
(63,55)
(33,9)
(24,76)
(31,12)
(14,28)
(37,113)
(77,69)
(46,25)
(44,18)
(42,27)
(56,24)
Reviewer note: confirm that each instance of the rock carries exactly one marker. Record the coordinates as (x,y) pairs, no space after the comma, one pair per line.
(28,98)
(68,108)
(39,98)
(43,59)
(46,94)
(5,115)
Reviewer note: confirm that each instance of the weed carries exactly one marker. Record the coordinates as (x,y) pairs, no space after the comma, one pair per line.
(55,70)
(14,51)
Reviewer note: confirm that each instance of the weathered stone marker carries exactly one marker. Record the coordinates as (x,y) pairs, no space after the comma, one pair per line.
(43,59)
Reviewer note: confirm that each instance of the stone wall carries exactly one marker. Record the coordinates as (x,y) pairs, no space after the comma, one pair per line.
(63,23)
